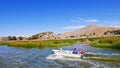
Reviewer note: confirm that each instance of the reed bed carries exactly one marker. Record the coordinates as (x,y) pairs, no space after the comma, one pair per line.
(106,42)
(41,43)
(105,59)
(112,42)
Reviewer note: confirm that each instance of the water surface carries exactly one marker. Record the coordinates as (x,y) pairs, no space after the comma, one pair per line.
(36,58)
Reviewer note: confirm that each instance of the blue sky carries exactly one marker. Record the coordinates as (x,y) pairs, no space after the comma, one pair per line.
(26,17)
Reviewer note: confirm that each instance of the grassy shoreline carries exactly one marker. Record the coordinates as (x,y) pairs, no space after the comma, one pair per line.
(104,59)
(99,42)
(41,43)
(106,42)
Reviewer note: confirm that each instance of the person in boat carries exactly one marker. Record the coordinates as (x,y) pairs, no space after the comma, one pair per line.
(75,51)
(82,52)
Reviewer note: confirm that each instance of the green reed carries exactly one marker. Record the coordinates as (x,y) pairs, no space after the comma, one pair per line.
(41,43)
(106,42)
(105,59)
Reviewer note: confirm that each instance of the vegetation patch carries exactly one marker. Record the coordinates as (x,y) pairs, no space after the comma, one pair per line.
(112,42)
(106,42)
(105,59)
(41,43)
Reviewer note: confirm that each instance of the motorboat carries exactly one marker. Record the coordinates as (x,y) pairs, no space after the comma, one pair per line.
(66,53)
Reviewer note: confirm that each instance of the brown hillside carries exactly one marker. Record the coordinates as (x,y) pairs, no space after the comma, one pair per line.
(91,30)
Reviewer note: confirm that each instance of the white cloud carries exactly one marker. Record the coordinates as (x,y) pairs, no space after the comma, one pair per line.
(116,22)
(95,21)
(85,20)
(78,20)
(91,20)
(112,22)
(73,27)
(105,22)
(116,26)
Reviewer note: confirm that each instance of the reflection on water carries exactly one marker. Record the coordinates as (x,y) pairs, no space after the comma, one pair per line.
(36,58)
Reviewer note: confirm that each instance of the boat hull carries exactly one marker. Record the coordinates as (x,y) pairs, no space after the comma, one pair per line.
(66,53)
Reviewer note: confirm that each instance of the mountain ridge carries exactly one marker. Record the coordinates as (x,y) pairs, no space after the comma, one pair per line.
(85,32)
(90,30)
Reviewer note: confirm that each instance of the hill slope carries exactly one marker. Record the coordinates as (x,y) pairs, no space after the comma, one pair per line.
(90,31)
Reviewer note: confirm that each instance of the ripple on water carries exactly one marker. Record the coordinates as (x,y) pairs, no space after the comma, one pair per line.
(36,58)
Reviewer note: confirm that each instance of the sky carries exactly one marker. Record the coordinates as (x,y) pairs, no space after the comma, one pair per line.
(27,17)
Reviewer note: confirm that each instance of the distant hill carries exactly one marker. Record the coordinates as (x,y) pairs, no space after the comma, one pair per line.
(85,32)
(90,31)
(44,36)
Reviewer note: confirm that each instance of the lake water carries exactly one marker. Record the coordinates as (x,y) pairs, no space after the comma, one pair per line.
(11,57)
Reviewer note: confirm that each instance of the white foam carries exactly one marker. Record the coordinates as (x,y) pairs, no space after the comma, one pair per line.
(54,57)
(102,54)
(95,64)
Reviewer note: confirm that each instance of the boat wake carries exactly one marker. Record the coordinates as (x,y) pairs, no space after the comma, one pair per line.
(102,54)
(65,57)
(60,57)
(52,56)
(80,62)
